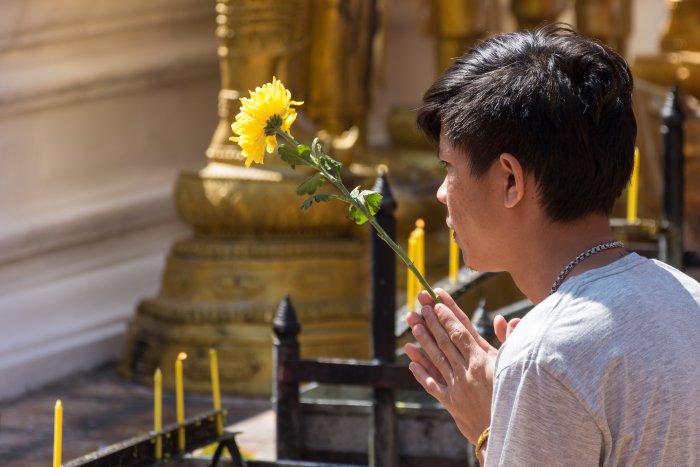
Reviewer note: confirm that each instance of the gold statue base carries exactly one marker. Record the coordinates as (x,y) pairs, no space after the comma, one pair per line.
(221,287)
(682,68)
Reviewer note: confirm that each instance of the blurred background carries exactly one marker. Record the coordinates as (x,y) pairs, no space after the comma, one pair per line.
(129,231)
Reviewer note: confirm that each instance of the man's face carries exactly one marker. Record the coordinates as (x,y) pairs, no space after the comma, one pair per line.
(473,208)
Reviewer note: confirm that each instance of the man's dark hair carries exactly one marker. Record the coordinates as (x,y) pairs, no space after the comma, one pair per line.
(561,103)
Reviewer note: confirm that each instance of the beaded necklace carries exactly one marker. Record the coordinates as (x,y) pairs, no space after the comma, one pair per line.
(574,262)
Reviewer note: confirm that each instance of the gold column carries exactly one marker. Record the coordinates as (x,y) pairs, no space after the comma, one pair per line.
(250,243)
(532,13)
(610,21)
(457,25)
(339,78)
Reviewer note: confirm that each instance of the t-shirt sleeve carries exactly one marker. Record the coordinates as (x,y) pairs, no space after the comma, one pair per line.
(536,420)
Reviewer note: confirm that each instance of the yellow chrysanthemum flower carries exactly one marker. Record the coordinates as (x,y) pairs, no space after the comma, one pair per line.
(267,109)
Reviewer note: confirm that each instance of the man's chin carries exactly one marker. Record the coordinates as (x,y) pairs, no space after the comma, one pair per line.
(476,266)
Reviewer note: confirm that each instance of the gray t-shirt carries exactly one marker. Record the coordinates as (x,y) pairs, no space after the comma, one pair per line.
(606,371)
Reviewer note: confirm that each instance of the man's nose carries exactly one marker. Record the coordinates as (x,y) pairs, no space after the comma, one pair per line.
(442,193)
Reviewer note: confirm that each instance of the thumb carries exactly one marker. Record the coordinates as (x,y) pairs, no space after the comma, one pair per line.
(500,327)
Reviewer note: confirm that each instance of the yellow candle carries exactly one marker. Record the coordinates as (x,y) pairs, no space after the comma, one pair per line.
(633,190)
(57,433)
(158,411)
(216,390)
(180,401)
(420,250)
(454,257)
(410,278)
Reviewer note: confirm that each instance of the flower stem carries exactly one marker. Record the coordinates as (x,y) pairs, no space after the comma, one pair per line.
(388,240)
(337,182)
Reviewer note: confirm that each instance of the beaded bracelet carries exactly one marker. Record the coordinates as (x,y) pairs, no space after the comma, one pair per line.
(482,439)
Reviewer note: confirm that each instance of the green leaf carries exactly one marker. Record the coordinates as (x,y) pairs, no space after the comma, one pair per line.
(307,203)
(304,152)
(367,198)
(330,164)
(317,151)
(372,201)
(357,216)
(290,155)
(318,198)
(324,197)
(311,184)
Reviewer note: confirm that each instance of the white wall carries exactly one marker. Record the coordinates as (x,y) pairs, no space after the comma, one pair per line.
(101,104)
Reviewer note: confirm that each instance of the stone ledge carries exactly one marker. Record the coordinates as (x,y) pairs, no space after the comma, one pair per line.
(73,225)
(83,19)
(71,322)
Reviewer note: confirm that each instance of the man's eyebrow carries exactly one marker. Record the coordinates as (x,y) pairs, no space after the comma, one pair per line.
(438,153)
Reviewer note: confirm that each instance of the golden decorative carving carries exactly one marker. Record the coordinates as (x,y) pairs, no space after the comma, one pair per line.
(263,278)
(227,201)
(310,311)
(244,349)
(251,243)
(257,39)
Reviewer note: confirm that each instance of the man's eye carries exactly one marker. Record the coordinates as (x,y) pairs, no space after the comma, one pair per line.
(443,164)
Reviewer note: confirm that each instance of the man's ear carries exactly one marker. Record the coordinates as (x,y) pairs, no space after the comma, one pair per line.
(513,180)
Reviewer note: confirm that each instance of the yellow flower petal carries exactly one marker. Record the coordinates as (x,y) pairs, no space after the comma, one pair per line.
(267,101)
(271,143)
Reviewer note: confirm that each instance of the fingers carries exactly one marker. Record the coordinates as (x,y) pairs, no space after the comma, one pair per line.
(424,338)
(504,328)
(413,319)
(463,318)
(432,345)
(500,326)
(417,356)
(425,299)
(452,339)
(431,386)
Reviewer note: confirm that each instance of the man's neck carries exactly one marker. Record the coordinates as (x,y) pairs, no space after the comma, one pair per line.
(551,246)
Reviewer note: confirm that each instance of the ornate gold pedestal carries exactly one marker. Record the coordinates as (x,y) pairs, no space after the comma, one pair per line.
(251,243)
(222,286)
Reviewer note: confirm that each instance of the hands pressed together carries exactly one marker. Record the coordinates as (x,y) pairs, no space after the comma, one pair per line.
(456,364)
